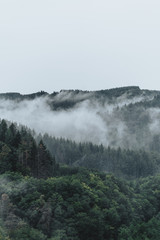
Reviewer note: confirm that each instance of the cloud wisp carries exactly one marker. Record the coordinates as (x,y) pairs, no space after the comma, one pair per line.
(86,121)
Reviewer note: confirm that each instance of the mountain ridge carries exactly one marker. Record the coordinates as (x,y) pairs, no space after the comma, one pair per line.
(76,91)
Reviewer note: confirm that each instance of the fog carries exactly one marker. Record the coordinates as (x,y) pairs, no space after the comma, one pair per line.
(80,123)
(88,120)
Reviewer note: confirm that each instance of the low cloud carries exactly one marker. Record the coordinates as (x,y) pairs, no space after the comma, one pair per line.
(88,120)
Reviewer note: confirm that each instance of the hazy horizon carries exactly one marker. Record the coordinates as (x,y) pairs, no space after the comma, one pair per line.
(73,89)
(100,120)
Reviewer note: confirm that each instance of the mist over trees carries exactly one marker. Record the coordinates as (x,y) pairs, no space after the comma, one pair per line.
(122,117)
(84,166)
(125,163)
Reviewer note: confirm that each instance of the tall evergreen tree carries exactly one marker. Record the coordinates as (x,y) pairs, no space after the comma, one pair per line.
(3,130)
(44,162)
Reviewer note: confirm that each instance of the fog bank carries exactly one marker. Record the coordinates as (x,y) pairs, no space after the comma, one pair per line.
(88,120)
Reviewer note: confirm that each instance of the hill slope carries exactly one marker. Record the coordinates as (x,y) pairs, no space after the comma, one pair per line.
(40,200)
(124,117)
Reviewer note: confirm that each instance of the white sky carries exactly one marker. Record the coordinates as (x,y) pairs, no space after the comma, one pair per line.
(79,44)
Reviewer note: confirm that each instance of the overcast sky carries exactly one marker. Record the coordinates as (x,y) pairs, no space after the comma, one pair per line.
(79,44)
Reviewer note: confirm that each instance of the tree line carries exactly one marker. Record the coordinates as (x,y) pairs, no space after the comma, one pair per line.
(19,152)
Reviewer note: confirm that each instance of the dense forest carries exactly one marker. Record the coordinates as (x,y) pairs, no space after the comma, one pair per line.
(79,205)
(61,188)
(41,199)
(19,153)
(124,163)
(125,117)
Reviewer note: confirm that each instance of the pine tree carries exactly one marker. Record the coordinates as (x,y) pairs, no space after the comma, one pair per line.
(44,162)
(3,130)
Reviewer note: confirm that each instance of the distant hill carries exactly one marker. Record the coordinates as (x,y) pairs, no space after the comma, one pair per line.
(68,98)
(87,169)
(126,117)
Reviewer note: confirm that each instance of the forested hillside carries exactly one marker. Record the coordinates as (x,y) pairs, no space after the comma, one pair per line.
(41,199)
(79,205)
(122,117)
(19,153)
(124,163)
(86,165)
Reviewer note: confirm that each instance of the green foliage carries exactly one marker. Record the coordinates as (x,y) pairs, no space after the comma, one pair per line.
(124,163)
(20,153)
(41,200)
(27,233)
(85,205)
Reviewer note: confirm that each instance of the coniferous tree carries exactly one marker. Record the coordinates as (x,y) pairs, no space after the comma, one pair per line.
(3,130)
(44,162)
